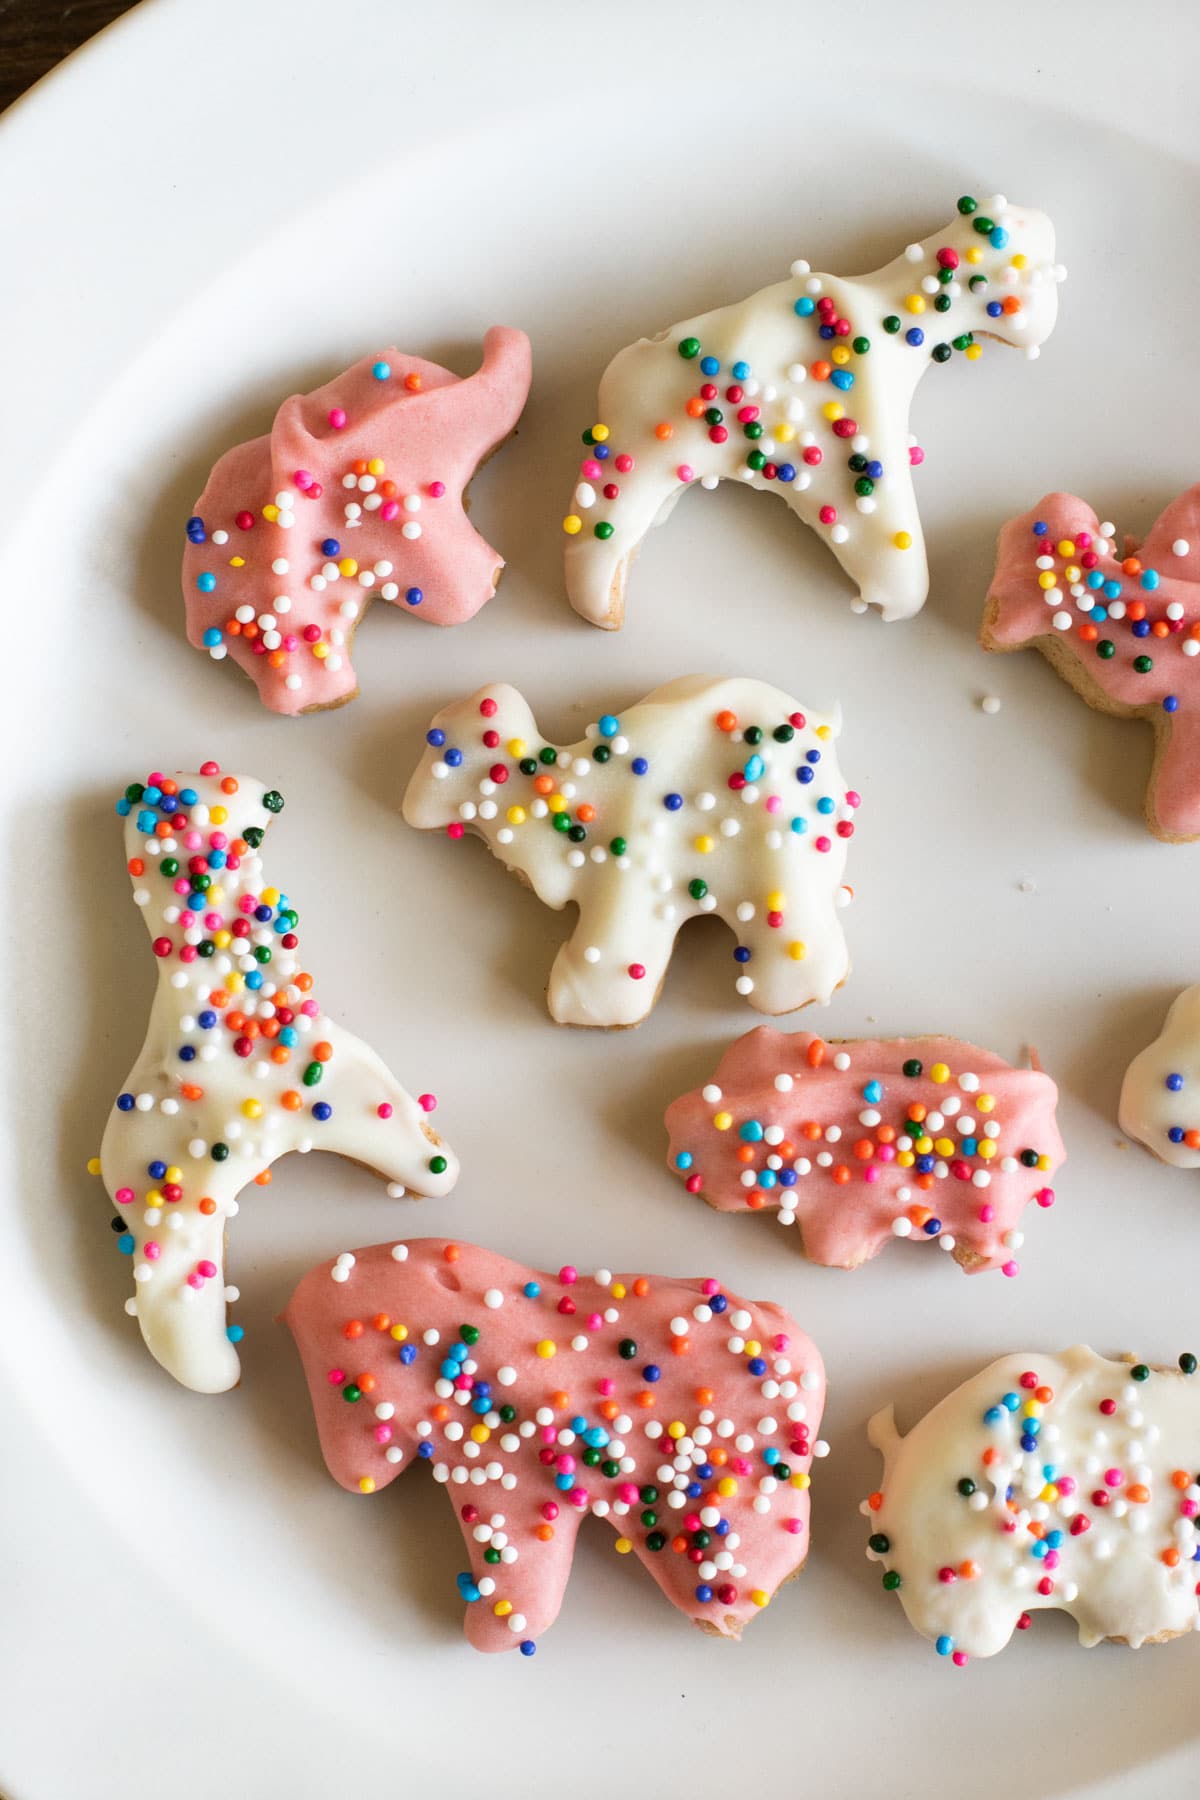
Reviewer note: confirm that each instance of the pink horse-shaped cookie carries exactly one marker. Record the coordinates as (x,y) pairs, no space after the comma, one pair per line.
(684,1416)
(356,492)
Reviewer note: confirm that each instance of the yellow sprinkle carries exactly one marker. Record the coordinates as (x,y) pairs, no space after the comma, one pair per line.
(801,1480)
(923,1146)
(944,1146)
(556,803)
(914,303)
(515,815)
(797,950)
(727,1487)
(1049,1493)
(973,352)
(753,1347)
(760,1597)
(366,1484)
(222,939)
(93,1165)
(1020,260)
(270,513)
(985,1103)
(1032,1410)
(833,411)
(502,1608)
(987,1149)
(270,896)
(1066,548)
(839,354)
(320,651)
(516,746)
(622,1546)
(824,731)
(1073,572)
(783,431)
(974,254)
(546,1348)
(939,1072)
(572,523)
(704,845)
(347,566)
(722,1121)
(905,1159)
(376,466)
(1043,1163)
(234,983)
(618,1290)
(399,1332)
(480,1434)
(776,902)
(903,540)
(1047,579)
(237,562)
(676,1429)
(216,894)
(218,814)
(252,1109)
(600,433)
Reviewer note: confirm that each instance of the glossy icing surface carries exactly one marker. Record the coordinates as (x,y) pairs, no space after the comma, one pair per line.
(804,390)
(1120,621)
(1160,1096)
(855,1143)
(1064,1482)
(355,493)
(684,1416)
(710,795)
(240,1065)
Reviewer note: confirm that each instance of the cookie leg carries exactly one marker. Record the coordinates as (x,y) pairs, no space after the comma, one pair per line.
(1173,801)
(884,553)
(795,963)
(513,1603)
(361,1111)
(607,534)
(612,966)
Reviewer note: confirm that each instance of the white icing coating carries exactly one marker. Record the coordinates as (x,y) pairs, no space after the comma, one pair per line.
(1161,1090)
(701,820)
(202,1081)
(795,402)
(1108,1535)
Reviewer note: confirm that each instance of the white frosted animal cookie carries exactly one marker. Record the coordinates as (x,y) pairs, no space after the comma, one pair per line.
(240,1065)
(1063,1482)
(710,795)
(804,390)
(1160,1096)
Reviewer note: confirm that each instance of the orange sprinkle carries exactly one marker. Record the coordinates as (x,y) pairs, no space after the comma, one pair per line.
(810,1130)
(680,1346)
(727,721)
(441,1412)
(322,1051)
(559,1399)
(1180,1478)
(208,1207)
(544,784)
(704,1396)
(841,1174)
(608,1409)
(820,371)
(920,1215)
(1089,633)
(1138,1493)
(136,866)
(745,1153)
(291,1100)
(263,1178)
(413,383)
(864,1149)
(229,784)
(968,1570)
(755,1201)
(875,1500)
(886,1134)
(641,1287)
(695,408)
(353,1328)
(916,1112)
(585,814)
(663,431)
(451,1253)
(815,1054)
(1044,1394)
(382,1322)
(1132,566)
(190,1091)
(645,1398)
(543,1533)
(1171,1558)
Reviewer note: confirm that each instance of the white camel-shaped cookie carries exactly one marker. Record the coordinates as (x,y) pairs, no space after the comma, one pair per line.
(240,1065)
(804,390)
(710,795)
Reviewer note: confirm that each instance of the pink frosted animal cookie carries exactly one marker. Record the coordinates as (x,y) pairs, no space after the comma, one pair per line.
(804,390)
(708,796)
(240,1066)
(1046,1482)
(356,492)
(685,1417)
(860,1141)
(1122,625)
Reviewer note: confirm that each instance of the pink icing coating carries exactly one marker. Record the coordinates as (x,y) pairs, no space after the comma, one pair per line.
(1018,615)
(706,1401)
(846,1206)
(429,429)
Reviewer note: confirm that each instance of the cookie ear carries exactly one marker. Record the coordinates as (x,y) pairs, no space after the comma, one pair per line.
(1179,525)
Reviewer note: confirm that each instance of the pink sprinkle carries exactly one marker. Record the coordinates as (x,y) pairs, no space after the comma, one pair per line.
(710,1286)
(1010,1268)
(773,803)
(853,797)
(686,472)
(987,1214)
(1113,1478)
(916,455)
(218,840)
(336,1377)
(1065,1484)
(1045,1197)
(389,510)
(192,840)
(549,1434)
(795,1526)
(566,1465)
(153,1251)
(437,489)
(310,1009)
(579,1496)
(549,1510)
(780,1341)
(590,469)
(960,1659)
(194,1280)
(455,829)
(606,1385)
(206,768)
(823,844)
(311,633)
(207,1269)
(637,972)
(623,464)
(628,1493)
(828,515)
(384,1110)
(302,478)
(337,418)
(383,1434)
(123,1196)
(567,1274)
(871,1173)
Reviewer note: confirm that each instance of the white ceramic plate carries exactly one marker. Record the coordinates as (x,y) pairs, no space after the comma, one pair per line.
(218,203)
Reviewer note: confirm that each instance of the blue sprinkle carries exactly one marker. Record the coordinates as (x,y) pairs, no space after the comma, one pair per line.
(704,1593)
(206,582)
(786,472)
(915,337)
(206,1020)
(651,1372)
(601,452)
(1171,703)
(124,1102)
(211,638)
(124,808)
(741,954)
(767,1179)
(531,1290)
(969,1146)
(825,331)
(944,1645)
(156,1170)
(381,371)
(408,1355)
(1150,579)
(235,1333)
(1040,528)
(1176,1134)
(1098,614)
(195,529)
(528,1647)
(998,237)
(931,1227)
(1011,1401)
(639,765)
(875,471)
(453,759)
(757,1366)
(187,1053)
(1112,590)
(684,1160)
(754,768)
(718,1303)
(993,1415)
(994,309)
(751,1132)
(842,378)
(800,826)
(564,1483)
(146,821)
(1174,1082)
(609,726)
(1095,578)
(1141,628)
(740,371)
(322,1111)
(289,1036)
(873,1093)
(788,1178)
(126,1243)
(413,596)
(825,804)
(330,547)
(672,802)
(812,756)
(804,307)
(435,737)
(709,365)
(804,775)
(466,1586)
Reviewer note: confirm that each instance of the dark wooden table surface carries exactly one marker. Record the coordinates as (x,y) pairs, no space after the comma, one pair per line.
(36,34)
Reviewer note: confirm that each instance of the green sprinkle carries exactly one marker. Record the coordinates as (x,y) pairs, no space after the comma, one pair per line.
(618,846)
(1140,1372)
(912,1068)
(891,324)
(689,347)
(966,205)
(1143,664)
(273,801)
(1187,1363)
(891,1581)
(437,1165)
(604,529)
(312,1074)
(1106,649)
(879,1543)
(860,345)
(697,889)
